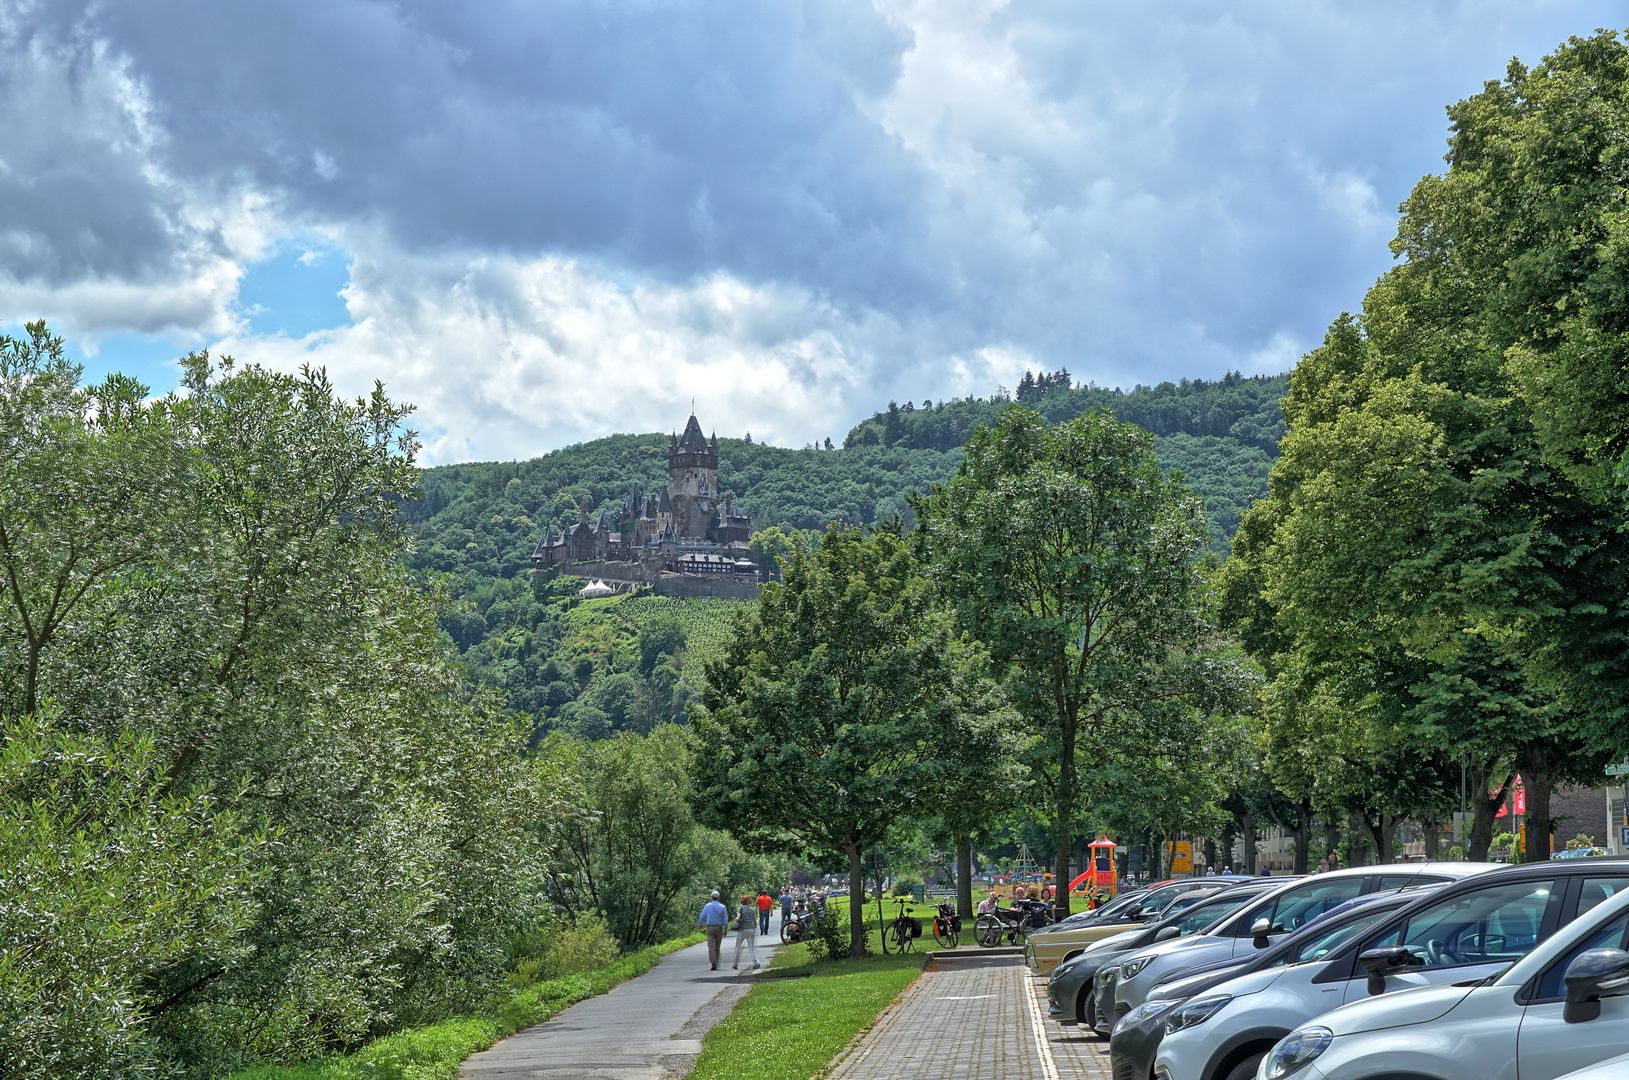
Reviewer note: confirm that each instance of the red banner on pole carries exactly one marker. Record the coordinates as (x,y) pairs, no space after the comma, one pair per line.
(1520,798)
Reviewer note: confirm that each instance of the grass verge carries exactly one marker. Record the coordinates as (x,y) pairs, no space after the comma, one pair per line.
(435,1052)
(790,1029)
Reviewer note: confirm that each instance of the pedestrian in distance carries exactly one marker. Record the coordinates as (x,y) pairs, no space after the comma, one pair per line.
(766,904)
(714,920)
(786,902)
(746,933)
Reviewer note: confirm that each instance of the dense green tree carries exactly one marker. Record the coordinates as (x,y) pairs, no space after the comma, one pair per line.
(630,848)
(844,704)
(1074,557)
(256,633)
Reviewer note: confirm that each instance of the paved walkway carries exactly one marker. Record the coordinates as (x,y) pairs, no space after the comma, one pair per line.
(973,1018)
(648,1028)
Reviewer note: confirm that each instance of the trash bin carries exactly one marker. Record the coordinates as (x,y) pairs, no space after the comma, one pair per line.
(919,893)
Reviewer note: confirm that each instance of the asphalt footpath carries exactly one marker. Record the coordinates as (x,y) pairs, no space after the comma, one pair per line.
(648,1028)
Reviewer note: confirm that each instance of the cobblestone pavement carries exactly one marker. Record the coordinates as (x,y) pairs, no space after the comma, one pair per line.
(974,1018)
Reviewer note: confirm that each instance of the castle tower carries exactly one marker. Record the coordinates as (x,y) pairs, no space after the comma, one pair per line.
(692,470)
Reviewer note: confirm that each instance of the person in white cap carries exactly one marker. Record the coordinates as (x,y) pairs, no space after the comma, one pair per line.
(715,918)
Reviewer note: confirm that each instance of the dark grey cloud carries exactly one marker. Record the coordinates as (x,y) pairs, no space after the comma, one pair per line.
(1138,191)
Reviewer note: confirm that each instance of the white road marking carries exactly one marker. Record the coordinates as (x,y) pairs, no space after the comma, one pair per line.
(1049,1067)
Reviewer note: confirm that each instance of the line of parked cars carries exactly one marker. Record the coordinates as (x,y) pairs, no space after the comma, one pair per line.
(1438,971)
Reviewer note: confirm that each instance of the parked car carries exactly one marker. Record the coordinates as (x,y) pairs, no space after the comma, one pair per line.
(1049,945)
(1069,990)
(1611,1069)
(1261,923)
(1560,1007)
(1137,1036)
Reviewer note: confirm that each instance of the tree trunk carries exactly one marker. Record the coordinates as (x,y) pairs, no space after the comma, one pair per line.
(856,902)
(1537,781)
(1430,834)
(1249,831)
(1332,837)
(1484,806)
(1065,835)
(1303,835)
(1210,852)
(964,877)
(1229,834)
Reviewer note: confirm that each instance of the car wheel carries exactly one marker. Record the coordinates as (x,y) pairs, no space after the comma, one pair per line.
(1083,1009)
(1246,1069)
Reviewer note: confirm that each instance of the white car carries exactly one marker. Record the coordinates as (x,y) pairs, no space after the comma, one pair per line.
(1564,1006)
(1611,1069)
(1466,931)
(1263,921)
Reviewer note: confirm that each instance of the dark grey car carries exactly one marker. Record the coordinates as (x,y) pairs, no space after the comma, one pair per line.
(1069,990)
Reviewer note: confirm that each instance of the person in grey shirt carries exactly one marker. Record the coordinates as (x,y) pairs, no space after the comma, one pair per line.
(715,918)
(746,933)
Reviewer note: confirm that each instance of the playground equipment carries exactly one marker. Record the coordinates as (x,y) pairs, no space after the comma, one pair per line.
(1099,882)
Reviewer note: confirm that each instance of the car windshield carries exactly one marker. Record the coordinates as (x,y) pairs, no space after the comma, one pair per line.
(1321,945)
(1122,906)
(1497,924)
(1203,918)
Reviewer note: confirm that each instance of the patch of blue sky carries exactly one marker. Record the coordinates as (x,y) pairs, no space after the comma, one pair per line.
(148,358)
(295,290)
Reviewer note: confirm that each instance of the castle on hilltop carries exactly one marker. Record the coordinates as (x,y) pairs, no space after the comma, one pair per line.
(687,529)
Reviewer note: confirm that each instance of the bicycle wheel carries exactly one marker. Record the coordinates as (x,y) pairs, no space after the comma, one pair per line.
(786,931)
(944,932)
(987,931)
(888,943)
(904,941)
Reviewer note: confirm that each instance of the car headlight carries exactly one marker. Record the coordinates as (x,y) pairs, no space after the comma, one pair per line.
(1296,1049)
(1143,1013)
(1105,976)
(1197,1011)
(1130,969)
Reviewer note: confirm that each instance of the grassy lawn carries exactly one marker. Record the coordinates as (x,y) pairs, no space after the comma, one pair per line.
(789,1029)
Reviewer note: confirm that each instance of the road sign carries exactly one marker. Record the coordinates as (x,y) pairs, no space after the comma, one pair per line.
(1623,839)
(1620,769)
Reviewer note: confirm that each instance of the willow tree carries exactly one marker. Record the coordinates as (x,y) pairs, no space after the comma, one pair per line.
(1074,557)
(844,703)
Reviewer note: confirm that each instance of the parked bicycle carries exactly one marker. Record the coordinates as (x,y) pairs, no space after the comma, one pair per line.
(947,927)
(900,935)
(1014,924)
(799,925)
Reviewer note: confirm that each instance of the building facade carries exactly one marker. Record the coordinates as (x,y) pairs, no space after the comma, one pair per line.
(689,528)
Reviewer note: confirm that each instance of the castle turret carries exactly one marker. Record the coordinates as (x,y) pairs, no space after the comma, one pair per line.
(692,465)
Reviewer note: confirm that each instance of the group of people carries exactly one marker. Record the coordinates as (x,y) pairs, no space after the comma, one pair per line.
(751,919)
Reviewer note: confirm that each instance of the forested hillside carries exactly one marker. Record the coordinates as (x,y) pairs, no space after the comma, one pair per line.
(581,666)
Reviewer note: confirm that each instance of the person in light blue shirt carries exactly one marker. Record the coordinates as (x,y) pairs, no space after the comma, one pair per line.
(715,919)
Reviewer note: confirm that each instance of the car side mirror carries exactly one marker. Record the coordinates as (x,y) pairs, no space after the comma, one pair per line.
(1259,931)
(1592,976)
(1387,961)
(1167,933)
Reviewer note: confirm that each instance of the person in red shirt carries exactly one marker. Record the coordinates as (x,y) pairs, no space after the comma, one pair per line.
(766,904)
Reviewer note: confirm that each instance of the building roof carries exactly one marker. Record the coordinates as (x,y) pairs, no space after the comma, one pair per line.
(664,507)
(692,436)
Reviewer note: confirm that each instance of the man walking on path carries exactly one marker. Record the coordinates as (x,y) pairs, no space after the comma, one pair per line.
(714,918)
(746,933)
(786,903)
(766,904)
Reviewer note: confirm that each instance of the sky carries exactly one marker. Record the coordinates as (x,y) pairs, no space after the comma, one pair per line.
(543,222)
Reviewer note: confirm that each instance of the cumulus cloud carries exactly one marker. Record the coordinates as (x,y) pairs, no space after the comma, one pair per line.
(794,210)
(504,356)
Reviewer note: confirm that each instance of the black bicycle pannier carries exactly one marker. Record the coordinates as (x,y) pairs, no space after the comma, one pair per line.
(916,928)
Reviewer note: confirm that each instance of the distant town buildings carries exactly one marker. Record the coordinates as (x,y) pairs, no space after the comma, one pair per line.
(686,529)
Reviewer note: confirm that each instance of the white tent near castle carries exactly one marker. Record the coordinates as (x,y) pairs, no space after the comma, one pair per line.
(595,589)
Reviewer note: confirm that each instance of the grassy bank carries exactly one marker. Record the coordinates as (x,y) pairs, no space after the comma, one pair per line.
(436,1051)
(789,1029)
